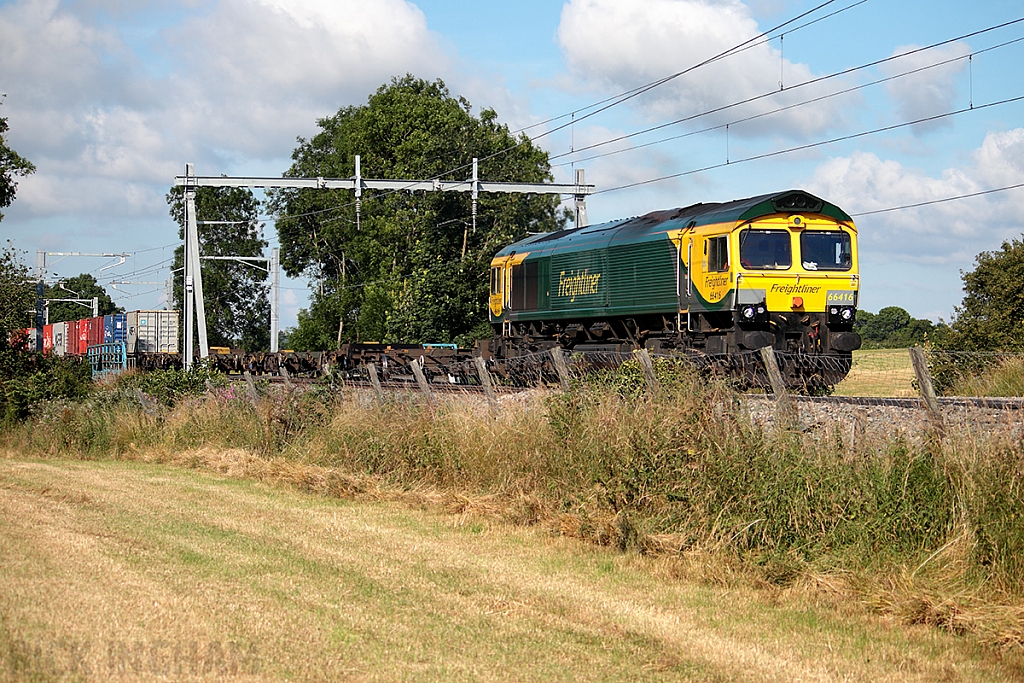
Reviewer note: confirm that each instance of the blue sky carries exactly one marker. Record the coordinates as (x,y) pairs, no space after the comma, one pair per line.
(111,98)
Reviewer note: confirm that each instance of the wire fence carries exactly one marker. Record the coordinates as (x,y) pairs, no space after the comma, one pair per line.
(870,373)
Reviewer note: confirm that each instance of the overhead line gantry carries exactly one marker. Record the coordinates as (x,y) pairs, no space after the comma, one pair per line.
(196,310)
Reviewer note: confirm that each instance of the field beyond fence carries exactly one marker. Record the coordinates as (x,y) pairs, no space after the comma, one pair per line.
(880,373)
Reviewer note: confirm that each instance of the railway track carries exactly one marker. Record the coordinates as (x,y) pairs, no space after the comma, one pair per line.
(989,403)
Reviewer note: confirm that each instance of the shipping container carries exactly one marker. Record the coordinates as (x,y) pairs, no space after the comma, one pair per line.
(71,338)
(95,331)
(152,331)
(83,336)
(25,335)
(60,339)
(47,339)
(114,329)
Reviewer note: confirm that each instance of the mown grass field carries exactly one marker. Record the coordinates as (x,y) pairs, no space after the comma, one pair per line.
(879,372)
(135,571)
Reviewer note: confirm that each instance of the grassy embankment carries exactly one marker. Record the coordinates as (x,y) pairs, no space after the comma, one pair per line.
(930,532)
(135,571)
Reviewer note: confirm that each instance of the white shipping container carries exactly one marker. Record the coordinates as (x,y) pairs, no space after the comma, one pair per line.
(152,331)
(60,339)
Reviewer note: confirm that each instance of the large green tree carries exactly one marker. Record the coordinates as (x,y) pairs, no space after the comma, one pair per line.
(17,296)
(234,293)
(991,316)
(412,269)
(82,286)
(11,166)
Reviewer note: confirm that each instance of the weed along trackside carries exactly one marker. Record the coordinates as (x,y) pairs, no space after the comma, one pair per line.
(717,547)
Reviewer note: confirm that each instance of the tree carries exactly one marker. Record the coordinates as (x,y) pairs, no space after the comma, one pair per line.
(26,377)
(82,286)
(893,327)
(991,316)
(412,269)
(234,293)
(11,165)
(17,296)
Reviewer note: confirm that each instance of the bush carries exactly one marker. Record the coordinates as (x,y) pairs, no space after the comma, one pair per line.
(28,378)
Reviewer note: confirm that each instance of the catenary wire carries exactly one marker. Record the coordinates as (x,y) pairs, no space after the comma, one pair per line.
(812,145)
(939,201)
(820,79)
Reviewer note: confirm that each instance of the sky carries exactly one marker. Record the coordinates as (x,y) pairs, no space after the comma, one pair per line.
(869,104)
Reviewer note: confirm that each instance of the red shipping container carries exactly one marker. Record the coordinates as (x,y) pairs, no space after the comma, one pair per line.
(47,339)
(83,337)
(72,338)
(95,331)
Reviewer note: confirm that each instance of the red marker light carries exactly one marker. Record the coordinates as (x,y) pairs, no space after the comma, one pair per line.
(798,301)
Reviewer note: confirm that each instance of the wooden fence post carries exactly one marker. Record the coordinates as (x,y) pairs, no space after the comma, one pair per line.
(925,386)
(421,379)
(253,395)
(647,365)
(375,381)
(560,367)
(485,380)
(787,408)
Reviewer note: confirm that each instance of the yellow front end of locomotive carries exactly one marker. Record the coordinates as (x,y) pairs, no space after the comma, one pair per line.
(796,263)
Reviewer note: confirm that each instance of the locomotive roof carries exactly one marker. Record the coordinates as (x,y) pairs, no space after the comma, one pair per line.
(736,211)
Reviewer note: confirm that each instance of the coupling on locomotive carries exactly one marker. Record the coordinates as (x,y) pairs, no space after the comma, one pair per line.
(777,270)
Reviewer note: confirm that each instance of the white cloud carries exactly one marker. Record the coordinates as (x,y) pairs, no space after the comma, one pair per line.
(622,44)
(948,233)
(929,92)
(238,79)
(263,70)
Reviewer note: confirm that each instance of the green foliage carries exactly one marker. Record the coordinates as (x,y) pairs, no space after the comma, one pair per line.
(82,286)
(169,386)
(234,293)
(11,165)
(893,327)
(26,377)
(991,316)
(413,269)
(990,319)
(17,296)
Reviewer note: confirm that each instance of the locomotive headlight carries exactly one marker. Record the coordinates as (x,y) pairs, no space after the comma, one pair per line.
(752,314)
(841,315)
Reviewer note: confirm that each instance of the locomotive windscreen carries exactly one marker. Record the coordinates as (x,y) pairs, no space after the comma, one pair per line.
(765,249)
(826,250)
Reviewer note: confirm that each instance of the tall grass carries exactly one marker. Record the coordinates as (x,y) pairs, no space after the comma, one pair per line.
(674,469)
(1005,377)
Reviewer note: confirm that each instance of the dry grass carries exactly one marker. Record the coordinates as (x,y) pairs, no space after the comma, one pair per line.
(879,372)
(143,572)
(680,473)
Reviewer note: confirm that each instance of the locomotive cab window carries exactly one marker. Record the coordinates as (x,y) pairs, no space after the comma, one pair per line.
(765,249)
(718,253)
(826,250)
(496,280)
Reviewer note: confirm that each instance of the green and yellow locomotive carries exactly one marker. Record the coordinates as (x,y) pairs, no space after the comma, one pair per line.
(777,270)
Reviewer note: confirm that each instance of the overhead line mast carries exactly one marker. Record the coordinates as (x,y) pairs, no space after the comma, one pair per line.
(194,308)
